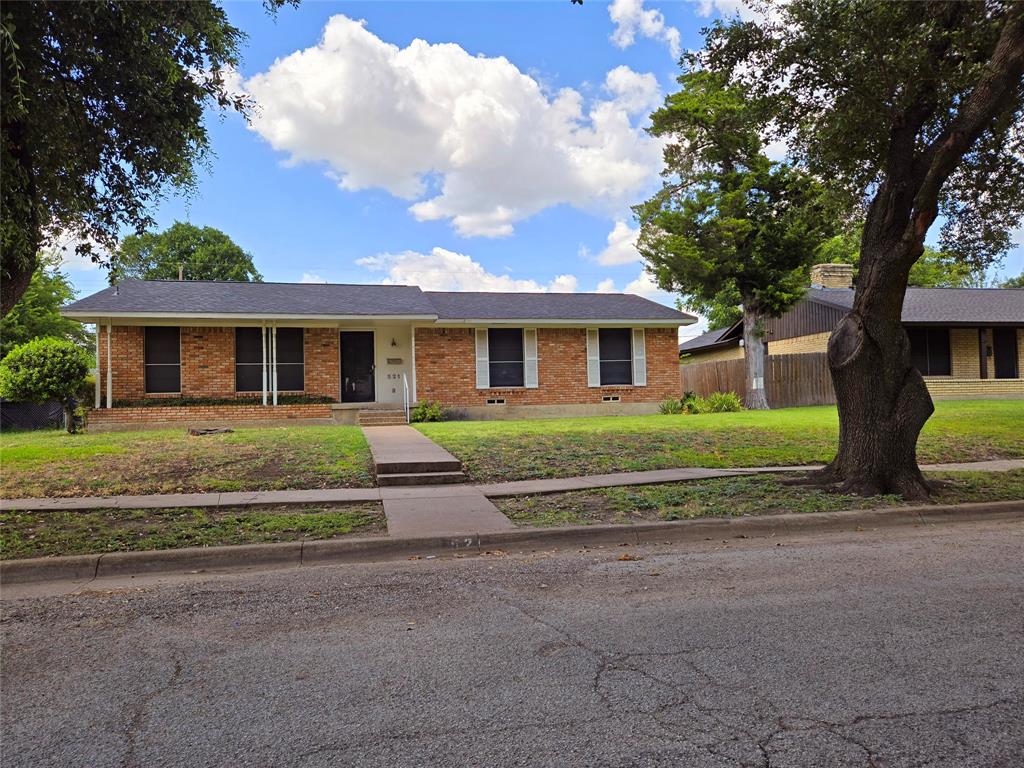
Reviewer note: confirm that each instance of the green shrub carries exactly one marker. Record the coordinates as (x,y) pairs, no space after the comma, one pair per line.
(671,406)
(170,402)
(45,369)
(689,403)
(428,410)
(723,402)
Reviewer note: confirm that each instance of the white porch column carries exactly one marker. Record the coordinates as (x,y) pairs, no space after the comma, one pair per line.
(263,359)
(273,359)
(97,380)
(110,376)
(412,337)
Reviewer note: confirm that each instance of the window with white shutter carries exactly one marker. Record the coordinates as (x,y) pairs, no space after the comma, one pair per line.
(639,358)
(530,357)
(593,358)
(483,372)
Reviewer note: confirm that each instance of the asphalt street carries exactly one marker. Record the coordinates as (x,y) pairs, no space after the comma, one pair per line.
(891,648)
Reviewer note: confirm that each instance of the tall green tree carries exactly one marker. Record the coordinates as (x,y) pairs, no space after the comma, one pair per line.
(37,313)
(101,110)
(728,220)
(200,253)
(916,109)
(934,269)
(1013,282)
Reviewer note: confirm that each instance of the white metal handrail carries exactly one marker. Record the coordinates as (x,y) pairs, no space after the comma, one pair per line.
(405,395)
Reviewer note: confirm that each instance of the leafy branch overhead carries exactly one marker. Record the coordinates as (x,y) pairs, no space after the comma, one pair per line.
(102,113)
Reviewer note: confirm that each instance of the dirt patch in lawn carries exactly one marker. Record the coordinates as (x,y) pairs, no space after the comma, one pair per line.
(55,464)
(39,534)
(735,497)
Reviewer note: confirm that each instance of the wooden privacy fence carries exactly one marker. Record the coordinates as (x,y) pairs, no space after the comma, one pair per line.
(790,380)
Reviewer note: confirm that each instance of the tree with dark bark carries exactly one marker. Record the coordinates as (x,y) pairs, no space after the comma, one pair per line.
(729,222)
(917,109)
(101,110)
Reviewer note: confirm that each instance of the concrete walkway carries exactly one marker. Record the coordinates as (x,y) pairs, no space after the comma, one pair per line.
(491,490)
(451,510)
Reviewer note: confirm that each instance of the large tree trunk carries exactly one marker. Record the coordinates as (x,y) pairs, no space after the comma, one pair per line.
(754,352)
(883,402)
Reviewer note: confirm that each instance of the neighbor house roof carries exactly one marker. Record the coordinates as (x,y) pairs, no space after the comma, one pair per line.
(206,299)
(944,306)
(718,338)
(921,306)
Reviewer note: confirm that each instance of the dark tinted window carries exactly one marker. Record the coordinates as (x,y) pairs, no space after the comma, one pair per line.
(929,351)
(616,350)
(162,352)
(249,359)
(505,356)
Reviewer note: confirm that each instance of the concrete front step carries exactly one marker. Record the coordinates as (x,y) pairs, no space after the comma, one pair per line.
(420,478)
(380,418)
(417,467)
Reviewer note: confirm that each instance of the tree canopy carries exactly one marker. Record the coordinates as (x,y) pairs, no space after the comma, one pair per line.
(101,110)
(37,313)
(202,253)
(916,111)
(1013,282)
(728,221)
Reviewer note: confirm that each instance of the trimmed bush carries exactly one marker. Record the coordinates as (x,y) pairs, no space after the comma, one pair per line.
(428,410)
(45,369)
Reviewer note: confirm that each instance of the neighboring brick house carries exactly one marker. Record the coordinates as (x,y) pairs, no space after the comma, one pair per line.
(483,355)
(967,342)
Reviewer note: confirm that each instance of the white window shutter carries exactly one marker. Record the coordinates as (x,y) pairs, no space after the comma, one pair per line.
(530,357)
(483,368)
(639,358)
(593,358)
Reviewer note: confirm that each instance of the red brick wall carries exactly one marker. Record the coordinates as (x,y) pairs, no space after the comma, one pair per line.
(446,369)
(323,366)
(208,363)
(253,412)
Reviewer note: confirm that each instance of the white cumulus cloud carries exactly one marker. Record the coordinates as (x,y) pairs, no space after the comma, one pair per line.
(621,248)
(467,139)
(444,270)
(631,19)
(309,277)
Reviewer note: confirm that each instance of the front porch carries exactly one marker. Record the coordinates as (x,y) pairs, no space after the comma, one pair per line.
(161,373)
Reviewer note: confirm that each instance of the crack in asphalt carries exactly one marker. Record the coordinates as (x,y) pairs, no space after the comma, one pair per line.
(140,711)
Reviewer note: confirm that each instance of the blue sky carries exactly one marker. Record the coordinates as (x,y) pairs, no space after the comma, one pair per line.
(500,152)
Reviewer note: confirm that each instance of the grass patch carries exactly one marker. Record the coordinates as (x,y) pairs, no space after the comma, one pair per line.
(736,497)
(54,463)
(38,534)
(517,450)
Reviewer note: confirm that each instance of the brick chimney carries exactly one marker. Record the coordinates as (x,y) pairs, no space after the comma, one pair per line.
(832,276)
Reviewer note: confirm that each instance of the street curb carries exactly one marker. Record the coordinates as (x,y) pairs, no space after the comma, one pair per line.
(85,568)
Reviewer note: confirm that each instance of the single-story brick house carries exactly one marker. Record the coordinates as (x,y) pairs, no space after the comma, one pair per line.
(967,342)
(360,347)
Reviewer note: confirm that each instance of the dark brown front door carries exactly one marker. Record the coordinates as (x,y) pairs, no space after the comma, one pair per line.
(357,367)
(1004,347)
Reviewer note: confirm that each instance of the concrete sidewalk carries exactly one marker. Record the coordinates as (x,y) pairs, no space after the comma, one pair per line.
(491,490)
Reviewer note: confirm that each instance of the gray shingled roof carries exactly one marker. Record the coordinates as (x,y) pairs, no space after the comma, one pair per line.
(174,298)
(201,297)
(452,305)
(709,339)
(952,306)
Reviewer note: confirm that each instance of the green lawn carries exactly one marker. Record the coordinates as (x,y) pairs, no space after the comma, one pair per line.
(54,463)
(734,497)
(960,430)
(38,534)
